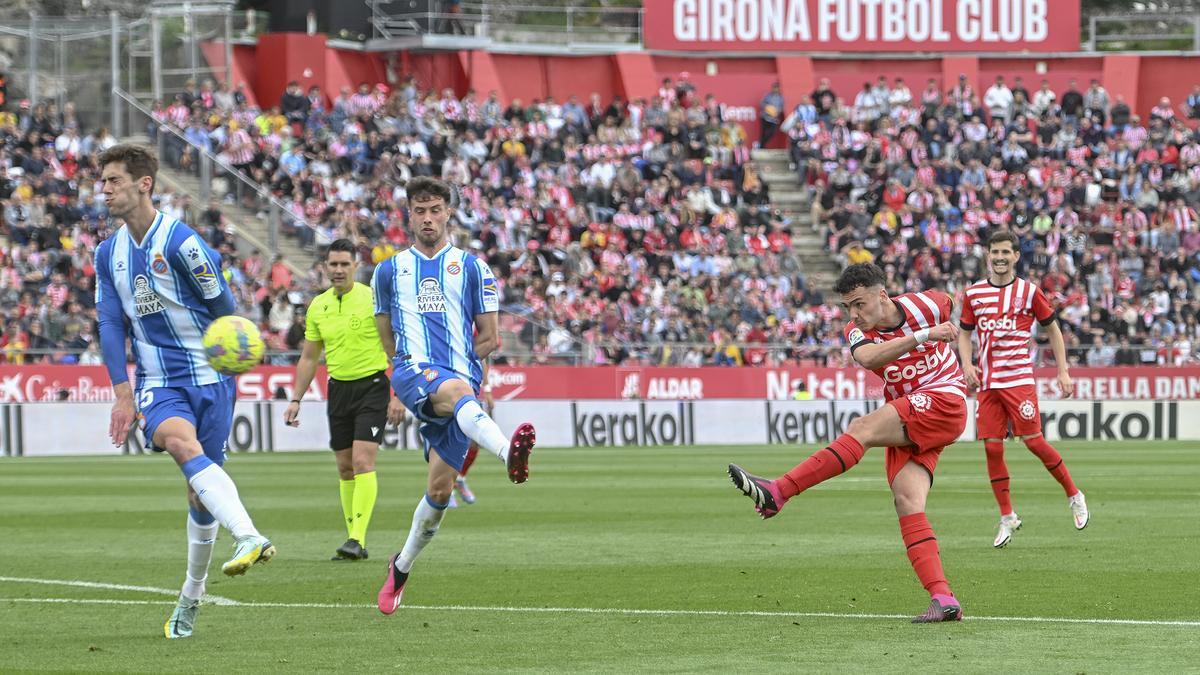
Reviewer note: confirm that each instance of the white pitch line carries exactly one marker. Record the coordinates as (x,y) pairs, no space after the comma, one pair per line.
(213,599)
(624,612)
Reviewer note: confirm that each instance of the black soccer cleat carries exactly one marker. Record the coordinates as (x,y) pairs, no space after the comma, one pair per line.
(351,550)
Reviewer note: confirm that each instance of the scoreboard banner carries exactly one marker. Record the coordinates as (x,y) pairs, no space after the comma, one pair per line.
(862,25)
(50,383)
(36,429)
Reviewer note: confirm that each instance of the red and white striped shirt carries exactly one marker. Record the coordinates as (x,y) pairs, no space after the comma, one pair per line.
(1002,318)
(929,367)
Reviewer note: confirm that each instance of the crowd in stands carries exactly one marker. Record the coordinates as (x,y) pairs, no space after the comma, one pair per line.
(1104,201)
(641,231)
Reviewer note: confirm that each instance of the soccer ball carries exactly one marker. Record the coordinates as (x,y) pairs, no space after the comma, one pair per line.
(233,345)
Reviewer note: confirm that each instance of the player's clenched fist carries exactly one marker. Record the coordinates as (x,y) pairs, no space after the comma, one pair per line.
(944,332)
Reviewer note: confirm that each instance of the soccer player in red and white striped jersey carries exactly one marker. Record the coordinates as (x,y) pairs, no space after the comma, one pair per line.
(1001,311)
(905,341)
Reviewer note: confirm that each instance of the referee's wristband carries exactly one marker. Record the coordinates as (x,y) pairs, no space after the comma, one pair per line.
(295,400)
(922,336)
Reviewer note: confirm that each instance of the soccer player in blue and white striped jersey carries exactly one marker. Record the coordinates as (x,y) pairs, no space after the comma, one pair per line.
(435,307)
(160,286)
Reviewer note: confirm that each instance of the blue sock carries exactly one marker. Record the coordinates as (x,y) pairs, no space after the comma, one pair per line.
(195,465)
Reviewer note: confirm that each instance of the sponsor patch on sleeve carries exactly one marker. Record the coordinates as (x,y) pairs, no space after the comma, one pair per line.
(856,336)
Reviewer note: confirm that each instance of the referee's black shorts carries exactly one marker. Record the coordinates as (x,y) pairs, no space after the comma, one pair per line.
(357,410)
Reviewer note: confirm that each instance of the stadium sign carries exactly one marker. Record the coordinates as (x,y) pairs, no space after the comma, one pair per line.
(84,384)
(35,429)
(862,25)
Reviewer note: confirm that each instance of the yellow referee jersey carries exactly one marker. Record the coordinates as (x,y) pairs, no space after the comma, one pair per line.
(346,324)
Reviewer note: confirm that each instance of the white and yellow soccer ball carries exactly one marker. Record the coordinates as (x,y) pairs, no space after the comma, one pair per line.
(233,345)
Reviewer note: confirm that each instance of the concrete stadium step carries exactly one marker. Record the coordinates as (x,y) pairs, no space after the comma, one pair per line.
(819,268)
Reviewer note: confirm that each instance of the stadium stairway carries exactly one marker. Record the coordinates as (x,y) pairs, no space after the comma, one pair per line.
(250,231)
(820,269)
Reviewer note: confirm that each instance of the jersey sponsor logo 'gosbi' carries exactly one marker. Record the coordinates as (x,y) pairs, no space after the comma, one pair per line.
(894,373)
(145,300)
(1003,323)
(430,298)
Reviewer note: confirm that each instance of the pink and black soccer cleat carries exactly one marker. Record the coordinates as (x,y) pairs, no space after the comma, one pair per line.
(392,590)
(767,499)
(518,453)
(941,608)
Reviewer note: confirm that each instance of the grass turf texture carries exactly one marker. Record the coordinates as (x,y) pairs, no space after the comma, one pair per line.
(654,529)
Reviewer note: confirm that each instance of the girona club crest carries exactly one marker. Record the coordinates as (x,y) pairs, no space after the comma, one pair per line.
(1027,410)
(920,402)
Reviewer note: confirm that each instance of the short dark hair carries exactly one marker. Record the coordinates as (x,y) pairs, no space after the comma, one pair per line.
(342,245)
(1004,235)
(423,187)
(862,275)
(139,162)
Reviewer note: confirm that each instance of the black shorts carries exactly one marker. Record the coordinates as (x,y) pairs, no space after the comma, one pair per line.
(357,410)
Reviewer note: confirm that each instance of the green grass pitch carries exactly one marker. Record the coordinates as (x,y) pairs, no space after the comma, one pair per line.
(822,587)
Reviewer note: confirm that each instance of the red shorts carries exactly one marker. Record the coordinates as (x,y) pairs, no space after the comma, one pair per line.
(996,407)
(932,420)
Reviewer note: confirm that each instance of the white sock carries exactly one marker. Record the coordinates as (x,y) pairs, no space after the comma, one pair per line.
(482,429)
(426,521)
(220,498)
(201,539)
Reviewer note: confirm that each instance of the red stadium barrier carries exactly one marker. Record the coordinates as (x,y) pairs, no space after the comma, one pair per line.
(24,384)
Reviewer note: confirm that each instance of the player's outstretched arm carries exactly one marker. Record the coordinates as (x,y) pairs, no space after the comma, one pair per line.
(306,370)
(1059,347)
(873,356)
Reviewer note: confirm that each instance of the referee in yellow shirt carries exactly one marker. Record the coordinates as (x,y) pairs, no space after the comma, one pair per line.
(341,321)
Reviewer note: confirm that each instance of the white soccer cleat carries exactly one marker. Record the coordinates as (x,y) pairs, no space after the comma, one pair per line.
(1079,509)
(1008,524)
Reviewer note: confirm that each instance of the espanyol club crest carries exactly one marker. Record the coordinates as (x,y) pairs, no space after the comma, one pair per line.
(1027,411)
(159,265)
(920,402)
(430,374)
(453,268)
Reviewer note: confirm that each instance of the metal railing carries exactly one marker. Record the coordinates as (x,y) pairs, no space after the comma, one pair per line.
(503,22)
(1143,31)
(170,143)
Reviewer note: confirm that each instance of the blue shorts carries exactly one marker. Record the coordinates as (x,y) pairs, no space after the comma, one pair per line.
(208,407)
(413,384)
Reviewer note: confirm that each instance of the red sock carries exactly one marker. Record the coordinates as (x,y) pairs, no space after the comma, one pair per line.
(472,453)
(843,453)
(923,553)
(998,472)
(1053,461)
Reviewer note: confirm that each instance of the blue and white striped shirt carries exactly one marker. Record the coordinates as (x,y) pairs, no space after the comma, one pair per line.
(433,303)
(163,293)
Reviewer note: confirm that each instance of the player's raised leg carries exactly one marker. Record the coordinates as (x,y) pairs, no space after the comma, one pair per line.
(427,518)
(910,488)
(217,493)
(202,536)
(454,398)
(879,428)
(1053,462)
